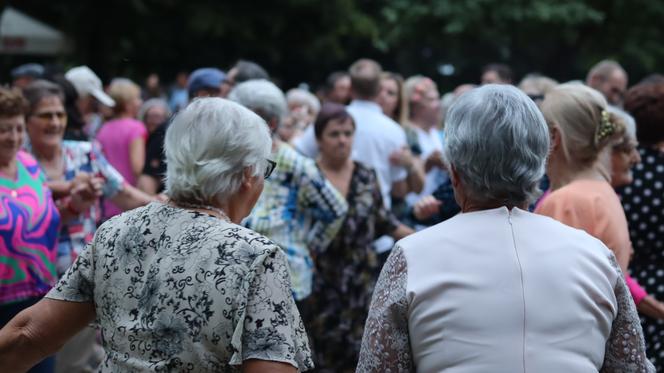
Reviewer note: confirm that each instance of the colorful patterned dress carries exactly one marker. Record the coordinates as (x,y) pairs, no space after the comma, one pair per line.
(345,276)
(29,224)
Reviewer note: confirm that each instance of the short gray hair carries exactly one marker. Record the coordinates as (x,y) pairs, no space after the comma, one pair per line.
(262,97)
(208,145)
(497,140)
(304,97)
(152,103)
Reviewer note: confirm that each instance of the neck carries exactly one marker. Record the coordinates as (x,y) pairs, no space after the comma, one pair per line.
(46,152)
(561,174)
(8,166)
(423,124)
(470,206)
(334,165)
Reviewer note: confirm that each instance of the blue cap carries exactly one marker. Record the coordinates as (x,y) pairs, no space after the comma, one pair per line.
(203,78)
(34,70)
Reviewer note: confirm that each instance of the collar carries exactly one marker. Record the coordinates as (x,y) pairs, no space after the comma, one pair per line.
(368,105)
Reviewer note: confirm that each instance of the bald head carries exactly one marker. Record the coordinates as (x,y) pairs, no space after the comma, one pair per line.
(610,79)
(365,79)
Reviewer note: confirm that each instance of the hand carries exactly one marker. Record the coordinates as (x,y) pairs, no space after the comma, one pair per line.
(426,208)
(402,157)
(85,191)
(161,197)
(435,159)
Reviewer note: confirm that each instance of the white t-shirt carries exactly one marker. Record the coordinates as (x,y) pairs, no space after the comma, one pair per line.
(429,142)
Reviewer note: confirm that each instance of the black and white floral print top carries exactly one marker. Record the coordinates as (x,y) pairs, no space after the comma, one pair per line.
(178,290)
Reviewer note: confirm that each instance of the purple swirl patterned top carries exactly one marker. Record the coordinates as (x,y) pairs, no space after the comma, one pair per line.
(29,224)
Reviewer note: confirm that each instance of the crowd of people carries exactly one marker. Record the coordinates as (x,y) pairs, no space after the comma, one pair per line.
(374,225)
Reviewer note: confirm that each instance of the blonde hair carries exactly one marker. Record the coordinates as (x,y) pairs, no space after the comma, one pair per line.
(586,126)
(413,89)
(123,91)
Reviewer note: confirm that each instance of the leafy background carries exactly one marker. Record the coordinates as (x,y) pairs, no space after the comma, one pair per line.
(304,40)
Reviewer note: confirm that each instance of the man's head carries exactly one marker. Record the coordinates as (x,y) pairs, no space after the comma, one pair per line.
(610,79)
(26,74)
(365,79)
(337,87)
(496,73)
(205,82)
(242,72)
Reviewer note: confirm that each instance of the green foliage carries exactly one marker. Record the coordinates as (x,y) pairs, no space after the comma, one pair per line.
(304,40)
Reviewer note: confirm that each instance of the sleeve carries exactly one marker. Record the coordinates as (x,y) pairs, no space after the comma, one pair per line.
(306,144)
(386,342)
(398,173)
(326,205)
(625,349)
(138,132)
(77,284)
(113,180)
(386,220)
(270,326)
(637,292)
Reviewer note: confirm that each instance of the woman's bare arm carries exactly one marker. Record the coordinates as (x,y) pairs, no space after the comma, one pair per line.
(40,331)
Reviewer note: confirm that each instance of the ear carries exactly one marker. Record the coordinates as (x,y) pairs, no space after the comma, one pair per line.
(273,124)
(248,179)
(454,177)
(556,139)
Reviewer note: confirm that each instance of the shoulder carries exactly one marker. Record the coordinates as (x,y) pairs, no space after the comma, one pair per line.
(77,146)
(583,197)
(26,159)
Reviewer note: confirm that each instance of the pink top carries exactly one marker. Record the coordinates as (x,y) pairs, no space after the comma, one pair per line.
(115,137)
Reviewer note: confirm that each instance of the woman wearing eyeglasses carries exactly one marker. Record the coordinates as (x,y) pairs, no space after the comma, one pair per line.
(67,165)
(181,286)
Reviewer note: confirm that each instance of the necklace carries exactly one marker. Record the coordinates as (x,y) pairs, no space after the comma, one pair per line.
(217,210)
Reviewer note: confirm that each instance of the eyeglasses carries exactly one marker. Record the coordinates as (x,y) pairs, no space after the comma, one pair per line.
(271,165)
(50,114)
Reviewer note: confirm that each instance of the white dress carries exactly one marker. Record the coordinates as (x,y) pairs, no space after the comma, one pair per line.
(502,291)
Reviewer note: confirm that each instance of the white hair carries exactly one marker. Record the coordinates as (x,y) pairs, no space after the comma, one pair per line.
(301,96)
(628,120)
(152,103)
(497,140)
(262,97)
(208,146)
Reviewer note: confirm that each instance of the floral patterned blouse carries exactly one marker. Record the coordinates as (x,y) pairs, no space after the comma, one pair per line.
(178,290)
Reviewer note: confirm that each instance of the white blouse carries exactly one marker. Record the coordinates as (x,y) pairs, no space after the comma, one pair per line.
(502,291)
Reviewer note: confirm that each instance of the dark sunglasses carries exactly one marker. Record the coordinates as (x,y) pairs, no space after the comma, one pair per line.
(270,167)
(50,114)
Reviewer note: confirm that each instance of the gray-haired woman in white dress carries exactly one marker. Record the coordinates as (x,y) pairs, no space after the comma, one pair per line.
(496,288)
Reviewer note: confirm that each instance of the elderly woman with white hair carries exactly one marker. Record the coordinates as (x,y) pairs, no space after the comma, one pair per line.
(180,286)
(300,210)
(303,107)
(497,288)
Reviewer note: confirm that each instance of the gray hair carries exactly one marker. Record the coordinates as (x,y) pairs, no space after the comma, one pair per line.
(497,140)
(208,146)
(262,97)
(152,103)
(301,96)
(39,90)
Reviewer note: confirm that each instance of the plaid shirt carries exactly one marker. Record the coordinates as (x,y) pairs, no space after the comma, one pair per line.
(300,211)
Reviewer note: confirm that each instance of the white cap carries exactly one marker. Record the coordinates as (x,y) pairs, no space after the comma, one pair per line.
(86,83)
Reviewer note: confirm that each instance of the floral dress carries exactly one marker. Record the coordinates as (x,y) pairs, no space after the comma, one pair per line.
(345,276)
(179,291)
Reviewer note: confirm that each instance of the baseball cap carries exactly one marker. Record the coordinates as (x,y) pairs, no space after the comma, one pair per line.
(206,77)
(87,82)
(34,70)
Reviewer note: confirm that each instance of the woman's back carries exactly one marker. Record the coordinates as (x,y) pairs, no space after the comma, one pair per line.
(178,290)
(504,291)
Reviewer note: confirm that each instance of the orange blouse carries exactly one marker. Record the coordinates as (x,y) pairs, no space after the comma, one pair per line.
(593,206)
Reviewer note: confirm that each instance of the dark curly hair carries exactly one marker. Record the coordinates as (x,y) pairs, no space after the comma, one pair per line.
(645,102)
(12,103)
